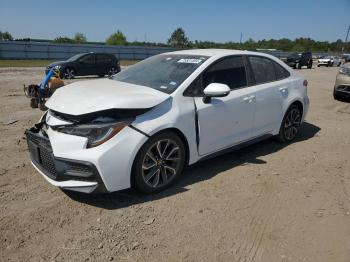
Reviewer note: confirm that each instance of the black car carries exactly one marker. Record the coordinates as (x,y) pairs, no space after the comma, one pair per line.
(296,60)
(100,64)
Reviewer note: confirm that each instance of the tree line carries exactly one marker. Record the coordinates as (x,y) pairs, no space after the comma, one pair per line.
(178,39)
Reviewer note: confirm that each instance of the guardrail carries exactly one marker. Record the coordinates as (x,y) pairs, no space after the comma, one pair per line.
(54,51)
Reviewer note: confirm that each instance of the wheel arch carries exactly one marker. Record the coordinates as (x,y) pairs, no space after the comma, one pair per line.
(174,130)
(183,138)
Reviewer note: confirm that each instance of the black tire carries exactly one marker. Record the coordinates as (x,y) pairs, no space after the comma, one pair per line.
(295,66)
(101,75)
(309,66)
(318,65)
(34,103)
(290,125)
(154,161)
(299,65)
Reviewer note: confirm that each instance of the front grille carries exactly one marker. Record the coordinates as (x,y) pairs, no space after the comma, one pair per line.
(41,153)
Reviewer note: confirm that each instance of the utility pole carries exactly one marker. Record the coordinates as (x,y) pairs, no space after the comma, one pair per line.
(240,40)
(346,38)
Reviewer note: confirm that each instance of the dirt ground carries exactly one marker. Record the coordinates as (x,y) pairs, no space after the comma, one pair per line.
(268,202)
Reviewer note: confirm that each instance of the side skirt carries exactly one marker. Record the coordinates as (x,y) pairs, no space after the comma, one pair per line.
(235,147)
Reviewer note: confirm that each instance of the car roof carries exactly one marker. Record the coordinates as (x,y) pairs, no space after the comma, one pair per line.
(214,52)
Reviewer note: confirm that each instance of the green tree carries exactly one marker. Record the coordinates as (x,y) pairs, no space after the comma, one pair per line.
(63,40)
(79,38)
(117,38)
(6,36)
(178,39)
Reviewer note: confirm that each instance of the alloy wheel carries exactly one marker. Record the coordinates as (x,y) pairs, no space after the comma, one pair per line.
(112,71)
(161,163)
(292,124)
(69,73)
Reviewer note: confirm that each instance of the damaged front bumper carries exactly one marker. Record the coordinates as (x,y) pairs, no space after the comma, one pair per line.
(67,162)
(80,176)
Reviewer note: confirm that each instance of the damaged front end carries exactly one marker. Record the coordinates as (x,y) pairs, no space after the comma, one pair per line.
(95,128)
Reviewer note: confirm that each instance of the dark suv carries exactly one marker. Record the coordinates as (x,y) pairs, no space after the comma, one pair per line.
(100,64)
(296,60)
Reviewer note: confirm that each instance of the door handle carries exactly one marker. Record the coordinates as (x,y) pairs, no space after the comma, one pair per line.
(283,89)
(248,99)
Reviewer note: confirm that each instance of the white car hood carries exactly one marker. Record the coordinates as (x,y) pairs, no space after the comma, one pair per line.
(96,95)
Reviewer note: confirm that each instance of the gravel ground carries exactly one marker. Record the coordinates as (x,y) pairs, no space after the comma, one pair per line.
(268,202)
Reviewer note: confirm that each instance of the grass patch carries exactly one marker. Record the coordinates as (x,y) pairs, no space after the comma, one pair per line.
(44,63)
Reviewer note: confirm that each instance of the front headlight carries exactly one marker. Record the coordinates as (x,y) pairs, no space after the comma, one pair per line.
(96,134)
(344,70)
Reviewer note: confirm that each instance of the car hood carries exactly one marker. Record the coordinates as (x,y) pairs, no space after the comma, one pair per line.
(56,63)
(86,97)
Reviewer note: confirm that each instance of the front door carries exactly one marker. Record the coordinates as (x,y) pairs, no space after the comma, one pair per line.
(225,121)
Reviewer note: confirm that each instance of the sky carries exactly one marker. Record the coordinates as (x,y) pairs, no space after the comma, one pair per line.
(155,20)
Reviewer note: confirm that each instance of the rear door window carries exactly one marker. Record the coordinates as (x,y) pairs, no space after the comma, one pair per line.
(103,59)
(263,69)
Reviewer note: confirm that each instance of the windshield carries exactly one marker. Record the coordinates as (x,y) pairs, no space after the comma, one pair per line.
(162,72)
(75,57)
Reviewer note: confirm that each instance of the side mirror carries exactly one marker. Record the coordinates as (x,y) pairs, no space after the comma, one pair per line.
(215,90)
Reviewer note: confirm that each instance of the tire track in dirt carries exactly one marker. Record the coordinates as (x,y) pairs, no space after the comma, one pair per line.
(262,217)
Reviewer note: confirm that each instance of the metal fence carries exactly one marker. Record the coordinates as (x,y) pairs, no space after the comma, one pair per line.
(54,51)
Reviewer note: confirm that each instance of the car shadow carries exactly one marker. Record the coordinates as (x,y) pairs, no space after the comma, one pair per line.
(195,173)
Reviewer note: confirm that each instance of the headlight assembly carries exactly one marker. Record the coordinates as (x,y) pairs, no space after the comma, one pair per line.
(96,134)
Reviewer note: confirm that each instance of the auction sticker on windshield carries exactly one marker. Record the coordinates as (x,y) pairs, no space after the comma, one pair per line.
(190,61)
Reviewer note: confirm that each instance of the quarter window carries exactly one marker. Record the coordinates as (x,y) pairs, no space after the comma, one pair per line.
(281,73)
(104,59)
(263,69)
(229,71)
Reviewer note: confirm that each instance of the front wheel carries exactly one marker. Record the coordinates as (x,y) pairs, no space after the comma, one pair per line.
(158,163)
(68,73)
(290,124)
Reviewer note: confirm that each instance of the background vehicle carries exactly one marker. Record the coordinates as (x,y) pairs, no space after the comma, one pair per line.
(296,60)
(342,83)
(142,126)
(100,64)
(329,61)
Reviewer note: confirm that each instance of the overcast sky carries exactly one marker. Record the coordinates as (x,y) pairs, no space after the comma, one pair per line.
(154,20)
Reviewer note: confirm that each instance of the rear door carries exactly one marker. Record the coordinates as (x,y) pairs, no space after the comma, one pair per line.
(103,63)
(87,65)
(225,121)
(272,86)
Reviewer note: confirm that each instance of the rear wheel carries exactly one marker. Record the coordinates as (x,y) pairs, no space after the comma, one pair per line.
(158,163)
(112,71)
(290,124)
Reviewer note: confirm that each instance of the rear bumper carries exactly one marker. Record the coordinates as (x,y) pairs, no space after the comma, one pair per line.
(342,85)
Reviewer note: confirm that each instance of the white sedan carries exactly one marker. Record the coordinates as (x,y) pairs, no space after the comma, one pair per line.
(140,127)
(329,61)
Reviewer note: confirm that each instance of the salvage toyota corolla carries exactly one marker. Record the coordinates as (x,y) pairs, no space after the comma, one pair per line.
(142,126)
